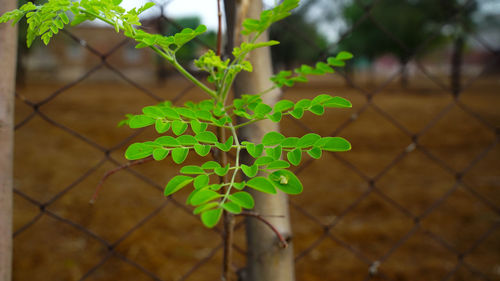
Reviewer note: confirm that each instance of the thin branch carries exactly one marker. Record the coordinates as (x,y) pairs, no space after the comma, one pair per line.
(117,169)
(282,240)
(219,32)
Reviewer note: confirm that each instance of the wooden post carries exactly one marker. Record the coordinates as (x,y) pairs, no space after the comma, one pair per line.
(8,49)
(266,260)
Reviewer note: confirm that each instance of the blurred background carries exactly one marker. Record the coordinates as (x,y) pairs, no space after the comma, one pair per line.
(418,197)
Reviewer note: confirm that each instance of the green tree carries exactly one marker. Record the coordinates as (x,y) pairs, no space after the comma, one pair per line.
(300,40)
(398,27)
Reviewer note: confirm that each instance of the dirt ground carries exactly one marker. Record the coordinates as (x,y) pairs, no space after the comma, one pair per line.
(48,160)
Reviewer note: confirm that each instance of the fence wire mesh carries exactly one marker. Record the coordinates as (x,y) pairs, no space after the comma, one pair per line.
(417,195)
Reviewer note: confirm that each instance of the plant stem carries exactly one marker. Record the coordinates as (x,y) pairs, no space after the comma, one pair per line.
(197,82)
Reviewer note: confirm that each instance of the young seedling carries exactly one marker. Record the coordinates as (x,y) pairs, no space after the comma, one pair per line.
(274,155)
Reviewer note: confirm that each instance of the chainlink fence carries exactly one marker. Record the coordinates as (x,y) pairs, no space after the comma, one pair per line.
(417,197)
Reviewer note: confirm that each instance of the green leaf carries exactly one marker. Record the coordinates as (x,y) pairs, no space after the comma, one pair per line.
(290,142)
(221,171)
(210,165)
(225,146)
(186,112)
(242,198)
(204,115)
(333,144)
(153,111)
(162,126)
(262,184)
(192,170)
(335,62)
(303,103)
(250,171)
(204,196)
(317,109)
(160,154)
(262,109)
(201,181)
(264,160)
(283,105)
(145,7)
(179,154)
(275,153)
(232,207)
(202,150)
(297,113)
(211,217)
(138,151)
(197,126)
(308,140)
(323,67)
(286,181)
(140,121)
(170,113)
(272,138)
(187,140)
(254,150)
(294,156)
(176,183)
(205,207)
(167,141)
(338,102)
(275,117)
(239,185)
(207,137)
(278,164)
(215,186)
(344,56)
(315,152)
(179,127)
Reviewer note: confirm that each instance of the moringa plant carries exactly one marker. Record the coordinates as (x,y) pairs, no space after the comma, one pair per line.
(272,156)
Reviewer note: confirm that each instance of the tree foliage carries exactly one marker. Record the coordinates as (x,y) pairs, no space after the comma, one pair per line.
(399,26)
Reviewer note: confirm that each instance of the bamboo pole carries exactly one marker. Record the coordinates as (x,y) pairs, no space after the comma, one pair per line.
(8,48)
(266,259)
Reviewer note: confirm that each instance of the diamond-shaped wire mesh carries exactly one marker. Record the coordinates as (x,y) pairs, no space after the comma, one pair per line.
(417,197)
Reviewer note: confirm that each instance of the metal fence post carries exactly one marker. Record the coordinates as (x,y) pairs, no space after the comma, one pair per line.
(8,47)
(266,260)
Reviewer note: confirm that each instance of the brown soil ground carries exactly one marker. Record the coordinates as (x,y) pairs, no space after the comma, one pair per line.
(378,224)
